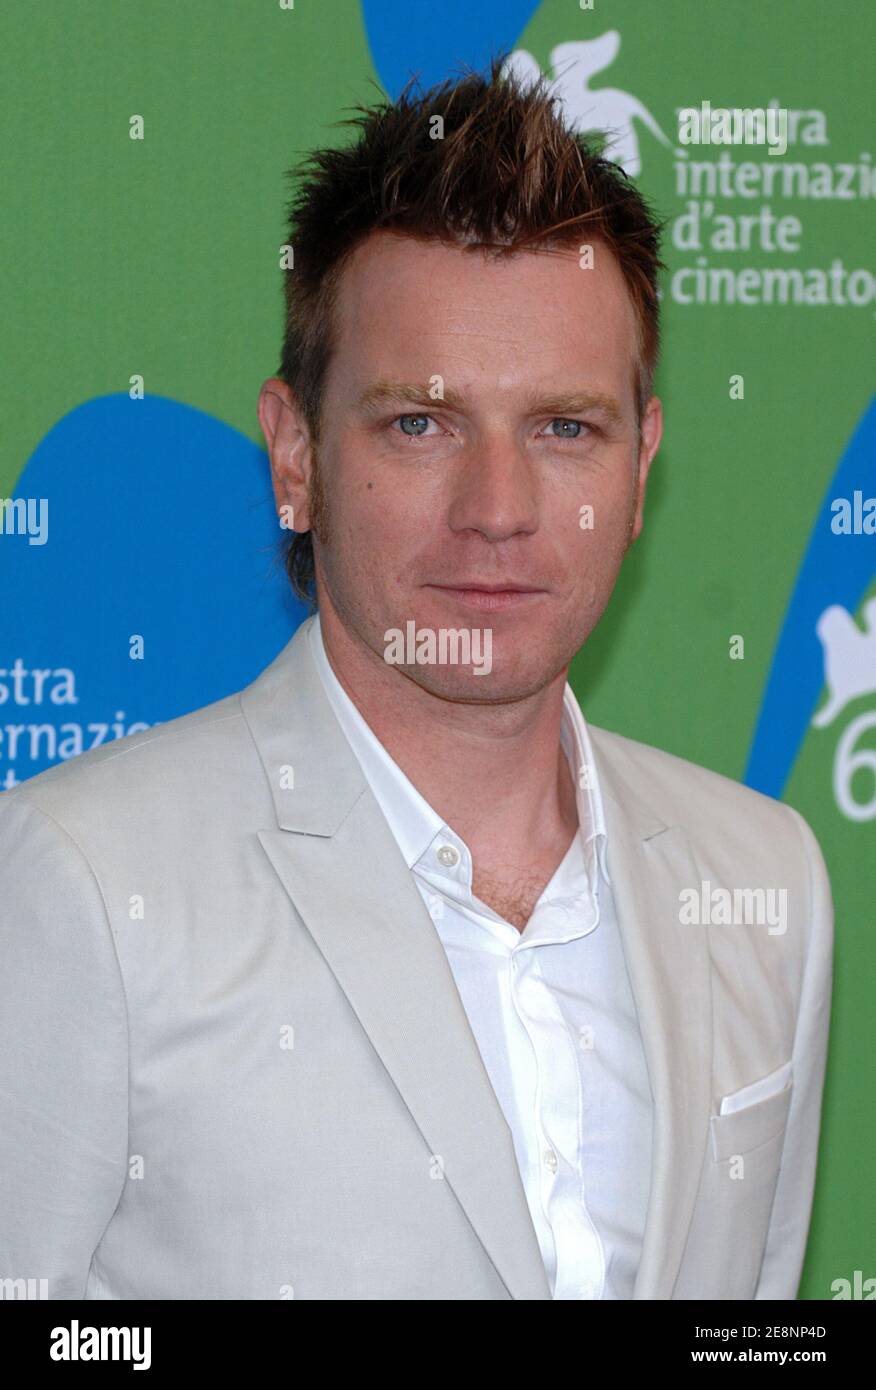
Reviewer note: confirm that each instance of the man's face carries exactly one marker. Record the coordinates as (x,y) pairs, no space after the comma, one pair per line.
(478,428)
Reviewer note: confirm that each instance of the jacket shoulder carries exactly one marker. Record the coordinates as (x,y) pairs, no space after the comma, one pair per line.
(709,805)
(166,760)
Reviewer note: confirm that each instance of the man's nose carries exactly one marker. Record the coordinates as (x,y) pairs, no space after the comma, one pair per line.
(495,489)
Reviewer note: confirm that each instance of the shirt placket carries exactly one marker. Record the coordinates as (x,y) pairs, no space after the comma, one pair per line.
(557,1105)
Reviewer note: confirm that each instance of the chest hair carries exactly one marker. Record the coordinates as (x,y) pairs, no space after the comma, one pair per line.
(513,897)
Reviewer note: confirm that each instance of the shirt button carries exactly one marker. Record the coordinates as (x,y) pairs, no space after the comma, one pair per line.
(448,856)
(550,1160)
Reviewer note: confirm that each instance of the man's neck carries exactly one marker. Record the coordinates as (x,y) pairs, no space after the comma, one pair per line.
(496,773)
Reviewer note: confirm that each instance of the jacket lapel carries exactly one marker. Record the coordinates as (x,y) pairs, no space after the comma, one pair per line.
(649,863)
(336,857)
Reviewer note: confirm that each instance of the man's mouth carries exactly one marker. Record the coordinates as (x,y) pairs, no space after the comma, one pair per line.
(489,597)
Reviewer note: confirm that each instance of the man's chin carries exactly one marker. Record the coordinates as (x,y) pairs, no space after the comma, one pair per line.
(475,684)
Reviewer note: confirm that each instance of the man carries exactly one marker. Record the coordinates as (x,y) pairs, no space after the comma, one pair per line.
(389,977)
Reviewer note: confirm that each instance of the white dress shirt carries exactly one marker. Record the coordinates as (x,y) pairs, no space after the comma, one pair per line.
(551,1010)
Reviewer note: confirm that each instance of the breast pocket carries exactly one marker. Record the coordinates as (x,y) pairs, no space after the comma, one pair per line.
(732,1215)
(745,1128)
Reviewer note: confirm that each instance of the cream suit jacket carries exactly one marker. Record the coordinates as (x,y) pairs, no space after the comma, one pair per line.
(234,1063)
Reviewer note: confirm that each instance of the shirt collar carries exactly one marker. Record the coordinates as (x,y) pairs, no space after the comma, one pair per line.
(575,738)
(413,822)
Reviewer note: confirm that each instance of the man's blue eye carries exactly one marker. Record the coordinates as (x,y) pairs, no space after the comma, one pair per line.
(421,424)
(574,425)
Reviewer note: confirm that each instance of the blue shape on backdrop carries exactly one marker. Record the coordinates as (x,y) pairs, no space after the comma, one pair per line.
(836,569)
(422,37)
(161,522)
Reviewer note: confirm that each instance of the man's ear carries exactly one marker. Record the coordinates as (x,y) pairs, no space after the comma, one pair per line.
(650,434)
(289,449)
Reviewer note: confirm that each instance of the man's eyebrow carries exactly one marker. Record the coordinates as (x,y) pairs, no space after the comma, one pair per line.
(382,393)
